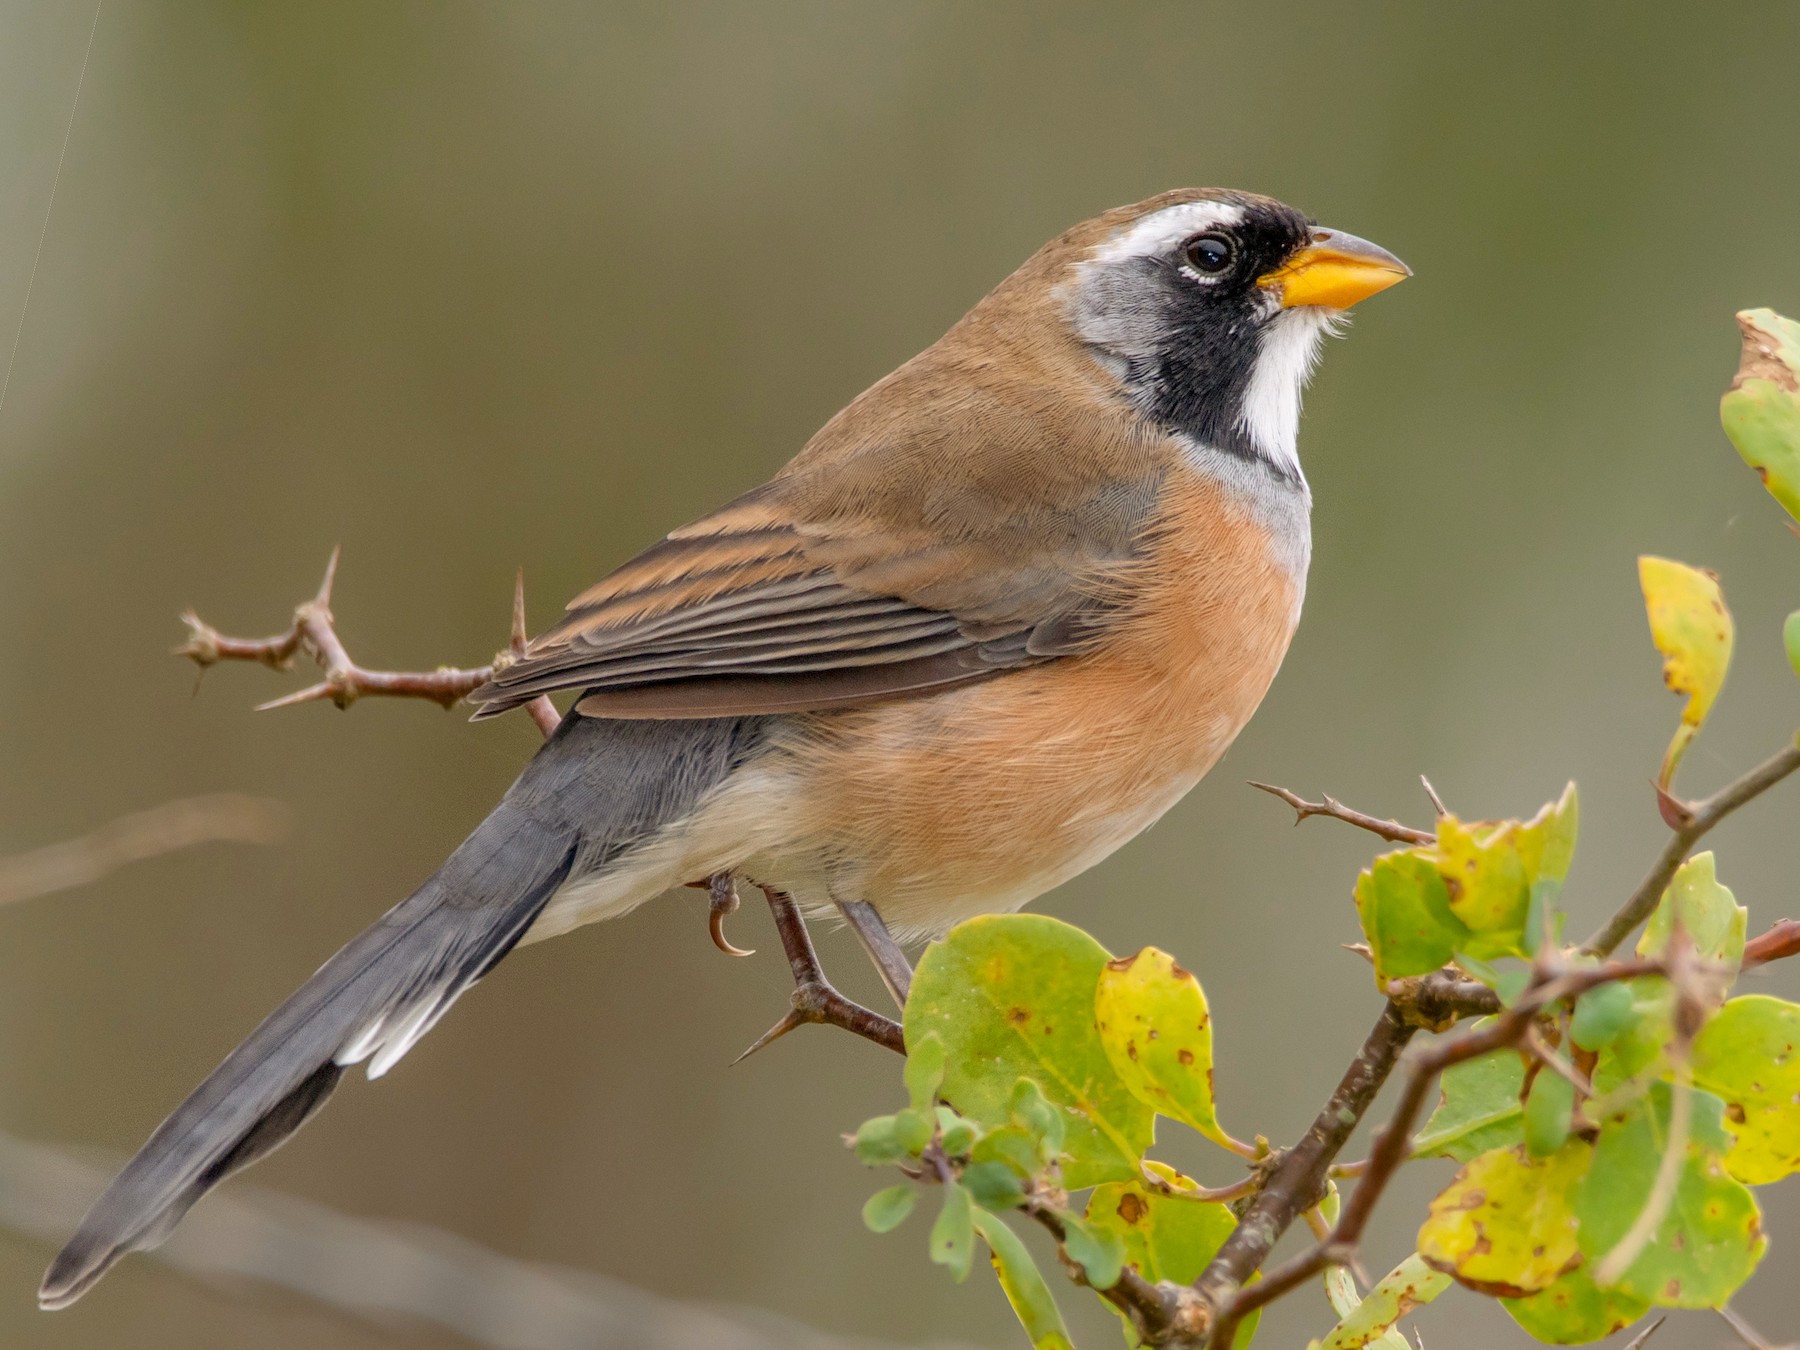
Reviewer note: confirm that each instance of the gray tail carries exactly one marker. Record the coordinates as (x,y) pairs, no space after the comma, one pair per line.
(592,792)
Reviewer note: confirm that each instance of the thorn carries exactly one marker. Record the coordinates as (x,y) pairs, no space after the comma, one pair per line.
(793,1019)
(519,633)
(1676,814)
(1361,949)
(1637,1341)
(323,598)
(313,693)
(1437,802)
(1293,799)
(722,890)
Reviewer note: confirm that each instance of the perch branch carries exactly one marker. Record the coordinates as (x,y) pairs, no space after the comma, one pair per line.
(313,634)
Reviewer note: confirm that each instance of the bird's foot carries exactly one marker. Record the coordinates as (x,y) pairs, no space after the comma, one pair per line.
(814,998)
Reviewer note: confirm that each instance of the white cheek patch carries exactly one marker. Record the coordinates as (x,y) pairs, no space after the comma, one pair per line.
(1284,363)
(1161,230)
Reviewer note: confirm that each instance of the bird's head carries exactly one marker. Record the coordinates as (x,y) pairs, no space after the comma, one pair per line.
(1209,307)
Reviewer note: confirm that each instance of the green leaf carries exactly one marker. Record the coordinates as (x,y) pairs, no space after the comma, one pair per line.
(994,1185)
(1574,1311)
(888,1139)
(1157,1032)
(1546,842)
(1163,1236)
(1033,1113)
(953,1235)
(1409,1285)
(1504,1225)
(1711,1238)
(1013,1147)
(1761,411)
(1549,1113)
(1479,1108)
(1510,983)
(1601,1015)
(1749,1055)
(1013,997)
(1023,1284)
(1692,629)
(1406,916)
(1707,912)
(886,1210)
(925,1071)
(1639,1050)
(1790,639)
(958,1133)
(1098,1251)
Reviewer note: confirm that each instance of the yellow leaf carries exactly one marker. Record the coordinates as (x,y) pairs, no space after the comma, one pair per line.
(1505,1225)
(1155,1027)
(1692,629)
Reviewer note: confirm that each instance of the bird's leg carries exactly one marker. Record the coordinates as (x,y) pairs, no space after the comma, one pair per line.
(896,970)
(814,999)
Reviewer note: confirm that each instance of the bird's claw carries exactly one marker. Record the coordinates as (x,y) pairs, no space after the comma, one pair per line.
(721,889)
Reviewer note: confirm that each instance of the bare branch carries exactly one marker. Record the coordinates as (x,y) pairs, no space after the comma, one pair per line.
(1698,818)
(1391,830)
(313,634)
(221,818)
(1781,940)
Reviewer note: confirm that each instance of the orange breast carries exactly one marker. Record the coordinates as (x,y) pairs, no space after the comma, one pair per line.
(980,798)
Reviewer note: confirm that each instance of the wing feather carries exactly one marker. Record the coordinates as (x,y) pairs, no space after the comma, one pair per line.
(812,592)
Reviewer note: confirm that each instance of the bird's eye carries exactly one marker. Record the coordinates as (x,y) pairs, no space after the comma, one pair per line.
(1209,254)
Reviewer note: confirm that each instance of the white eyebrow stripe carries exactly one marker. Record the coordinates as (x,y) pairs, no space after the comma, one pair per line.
(1158,230)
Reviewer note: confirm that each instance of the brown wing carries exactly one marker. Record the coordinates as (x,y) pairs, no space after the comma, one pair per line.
(738,613)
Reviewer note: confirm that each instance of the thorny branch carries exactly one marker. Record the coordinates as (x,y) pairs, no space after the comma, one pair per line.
(313,634)
(1691,822)
(1390,830)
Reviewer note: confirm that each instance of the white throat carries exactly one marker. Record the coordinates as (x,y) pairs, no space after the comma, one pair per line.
(1285,360)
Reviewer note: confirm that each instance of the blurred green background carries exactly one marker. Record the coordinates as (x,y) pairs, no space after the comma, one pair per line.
(466,286)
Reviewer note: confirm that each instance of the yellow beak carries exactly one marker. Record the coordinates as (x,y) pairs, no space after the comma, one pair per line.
(1335,271)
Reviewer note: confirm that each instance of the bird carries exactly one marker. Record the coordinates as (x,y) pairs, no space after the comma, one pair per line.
(996,617)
